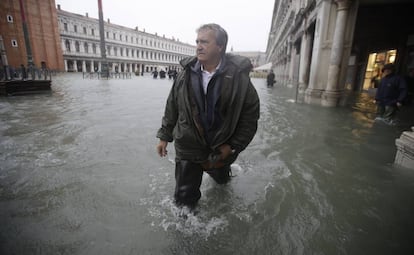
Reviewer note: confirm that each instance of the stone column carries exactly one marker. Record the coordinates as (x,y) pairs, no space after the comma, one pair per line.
(92,66)
(304,61)
(66,65)
(292,64)
(332,94)
(72,46)
(64,46)
(83,66)
(99,66)
(405,149)
(75,65)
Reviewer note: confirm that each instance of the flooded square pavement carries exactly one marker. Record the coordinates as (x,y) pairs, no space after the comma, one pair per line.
(79,174)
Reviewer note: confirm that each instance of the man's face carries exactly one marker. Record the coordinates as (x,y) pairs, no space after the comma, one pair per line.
(208,52)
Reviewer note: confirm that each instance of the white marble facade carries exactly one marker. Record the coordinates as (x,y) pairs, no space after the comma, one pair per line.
(309,46)
(127,49)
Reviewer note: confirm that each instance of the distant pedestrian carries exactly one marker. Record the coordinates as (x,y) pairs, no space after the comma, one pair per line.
(155,74)
(391,93)
(162,74)
(24,72)
(174,74)
(270,78)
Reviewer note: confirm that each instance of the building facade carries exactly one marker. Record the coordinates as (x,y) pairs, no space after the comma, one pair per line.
(43,33)
(127,49)
(330,47)
(257,58)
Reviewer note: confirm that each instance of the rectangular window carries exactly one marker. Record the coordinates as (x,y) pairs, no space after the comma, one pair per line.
(84,30)
(75,28)
(65,26)
(93,31)
(14,43)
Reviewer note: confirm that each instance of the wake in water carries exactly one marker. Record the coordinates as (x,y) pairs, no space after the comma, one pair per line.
(203,221)
(220,205)
(189,222)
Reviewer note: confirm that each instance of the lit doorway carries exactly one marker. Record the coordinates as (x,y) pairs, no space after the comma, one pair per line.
(376,62)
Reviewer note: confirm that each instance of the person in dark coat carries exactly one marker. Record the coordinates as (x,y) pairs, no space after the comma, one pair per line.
(24,72)
(211,114)
(391,93)
(162,74)
(174,74)
(270,78)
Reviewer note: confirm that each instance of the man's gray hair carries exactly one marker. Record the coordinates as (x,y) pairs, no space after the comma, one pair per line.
(221,34)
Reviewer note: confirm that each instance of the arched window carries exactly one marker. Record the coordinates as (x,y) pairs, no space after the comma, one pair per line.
(77,48)
(67,45)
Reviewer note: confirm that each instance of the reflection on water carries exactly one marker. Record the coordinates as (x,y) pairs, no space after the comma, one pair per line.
(79,175)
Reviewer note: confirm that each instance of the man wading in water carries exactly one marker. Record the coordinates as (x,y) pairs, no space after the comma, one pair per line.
(211,114)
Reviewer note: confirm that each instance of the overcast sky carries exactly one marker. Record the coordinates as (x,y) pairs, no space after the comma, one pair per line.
(247,22)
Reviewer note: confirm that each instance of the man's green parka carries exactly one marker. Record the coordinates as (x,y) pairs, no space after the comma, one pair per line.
(238,109)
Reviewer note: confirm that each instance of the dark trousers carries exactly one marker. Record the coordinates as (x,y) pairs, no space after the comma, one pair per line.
(188,176)
(386,111)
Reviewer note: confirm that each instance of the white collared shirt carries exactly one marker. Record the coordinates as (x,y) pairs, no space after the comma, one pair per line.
(206,75)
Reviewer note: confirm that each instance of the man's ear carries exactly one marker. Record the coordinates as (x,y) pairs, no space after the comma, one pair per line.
(221,48)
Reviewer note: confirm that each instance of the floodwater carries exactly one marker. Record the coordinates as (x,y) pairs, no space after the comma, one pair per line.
(79,175)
